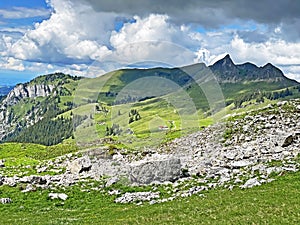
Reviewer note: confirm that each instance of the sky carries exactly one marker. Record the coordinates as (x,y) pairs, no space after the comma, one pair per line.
(91,37)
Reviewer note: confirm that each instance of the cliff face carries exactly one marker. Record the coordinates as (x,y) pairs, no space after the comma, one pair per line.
(22,91)
(8,118)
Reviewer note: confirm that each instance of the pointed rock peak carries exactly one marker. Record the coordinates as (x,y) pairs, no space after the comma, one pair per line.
(224,63)
(227,59)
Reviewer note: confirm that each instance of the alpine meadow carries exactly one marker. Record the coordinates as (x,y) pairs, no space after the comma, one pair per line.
(149,112)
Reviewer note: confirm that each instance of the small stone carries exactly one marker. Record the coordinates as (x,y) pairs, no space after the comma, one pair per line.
(152,202)
(5,200)
(112,181)
(42,169)
(251,183)
(61,196)
(288,140)
(241,163)
(2,163)
(114,192)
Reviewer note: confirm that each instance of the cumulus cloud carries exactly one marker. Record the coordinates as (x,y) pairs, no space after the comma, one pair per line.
(12,64)
(153,39)
(274,51)
(71,32)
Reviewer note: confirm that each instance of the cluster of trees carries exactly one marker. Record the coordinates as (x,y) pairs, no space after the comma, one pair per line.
(114,130)
(63,91)
(46,131)
(259,96)
(77,119)
(110,94)
(134,116)
(53,78)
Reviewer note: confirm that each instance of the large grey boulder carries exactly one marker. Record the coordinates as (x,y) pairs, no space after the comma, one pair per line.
(145,172)
(80,165)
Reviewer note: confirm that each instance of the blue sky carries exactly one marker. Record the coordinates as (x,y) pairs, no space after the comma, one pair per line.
(91,37)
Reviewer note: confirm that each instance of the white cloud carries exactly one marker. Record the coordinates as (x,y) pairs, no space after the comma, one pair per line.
(292,71)
(21,12)
(12,64)
(274,51)
(71,32)
(153,38)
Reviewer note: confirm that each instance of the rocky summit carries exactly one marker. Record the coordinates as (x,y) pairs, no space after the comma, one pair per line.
(246,150)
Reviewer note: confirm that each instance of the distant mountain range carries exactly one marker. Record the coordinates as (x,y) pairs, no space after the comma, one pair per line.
(44,110)
(227,71)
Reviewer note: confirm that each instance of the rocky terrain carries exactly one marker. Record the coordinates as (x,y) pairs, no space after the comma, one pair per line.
(244,151)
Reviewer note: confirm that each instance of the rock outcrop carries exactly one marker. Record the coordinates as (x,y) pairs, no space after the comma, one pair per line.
(8,120)
(22,91)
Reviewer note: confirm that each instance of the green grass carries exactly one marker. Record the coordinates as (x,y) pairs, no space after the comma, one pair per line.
(154,113)
(273,203)
(35,151)
(21,158)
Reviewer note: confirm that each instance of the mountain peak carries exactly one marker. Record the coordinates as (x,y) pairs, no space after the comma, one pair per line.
(269,66)
(227,57)
(226,71)
(225,63)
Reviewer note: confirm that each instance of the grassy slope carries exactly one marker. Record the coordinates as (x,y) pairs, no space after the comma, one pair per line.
(273,203)
(21,158)
(232,90)
(177,107)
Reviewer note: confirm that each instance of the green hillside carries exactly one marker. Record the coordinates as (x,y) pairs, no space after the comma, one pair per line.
(170,102)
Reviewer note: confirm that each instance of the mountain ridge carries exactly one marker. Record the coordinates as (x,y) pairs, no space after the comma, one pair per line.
(226,71)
